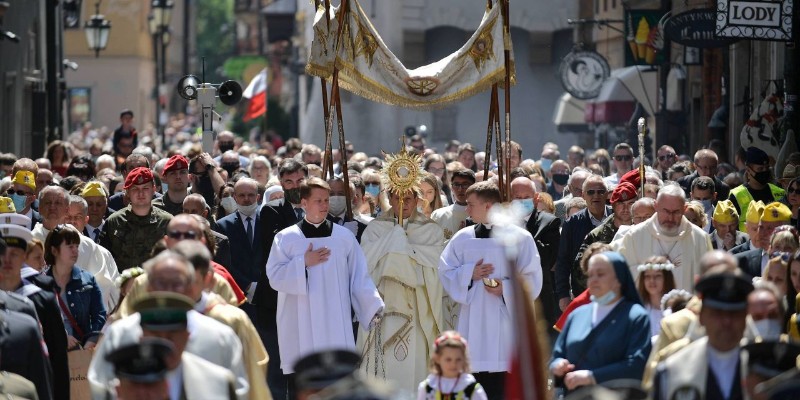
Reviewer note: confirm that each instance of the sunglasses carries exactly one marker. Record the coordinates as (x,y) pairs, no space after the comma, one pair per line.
(666,157)
(598,192)
(782,254)
(793,190)
(18,192)
(623,158)
(182,235)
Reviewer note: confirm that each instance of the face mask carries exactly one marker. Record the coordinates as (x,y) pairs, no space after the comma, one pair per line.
(230,167)
(337,205)
(762,177)
(561,179)
(247,210)
(292,195)
(274,203)
(768,328)
(373,189)
(605,299)
(164,188)
(223,147)
(707,207)
(229,204)
(19,201)
(546,164)
(525,204)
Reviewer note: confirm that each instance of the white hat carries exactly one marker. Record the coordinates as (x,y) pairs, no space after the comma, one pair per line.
(15,235)
(15,219)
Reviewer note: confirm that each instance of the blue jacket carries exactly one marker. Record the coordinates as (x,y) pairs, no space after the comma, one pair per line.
(85,302)
(620,351)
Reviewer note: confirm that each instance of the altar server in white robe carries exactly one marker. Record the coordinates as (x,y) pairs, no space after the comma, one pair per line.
(319,272)
(473,269)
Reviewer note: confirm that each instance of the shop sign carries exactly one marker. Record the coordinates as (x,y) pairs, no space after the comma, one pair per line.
(583,73)
(757,20)
(695,28)
(645,37)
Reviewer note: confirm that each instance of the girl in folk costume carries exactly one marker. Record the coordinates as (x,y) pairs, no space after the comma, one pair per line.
(655,279)
(450,378)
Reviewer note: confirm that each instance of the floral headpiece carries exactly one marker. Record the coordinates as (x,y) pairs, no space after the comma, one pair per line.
(668,266)
(449,335)
(672,294)
(127,274)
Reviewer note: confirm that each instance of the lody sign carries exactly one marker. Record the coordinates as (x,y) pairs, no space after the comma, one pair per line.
(755,19)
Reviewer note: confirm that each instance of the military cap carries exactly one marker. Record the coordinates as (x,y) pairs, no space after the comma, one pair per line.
(144,362)
(771,358)
(15,235)
(633,177)
(125,112)
(176,163)
(139,176)
(94,189)
(776,212)
(725,212)
(15,219)
(756,156)
(754,211)
(724,291)
(324,368)
(163,311)
(7,205)
(623,192)
(25,178)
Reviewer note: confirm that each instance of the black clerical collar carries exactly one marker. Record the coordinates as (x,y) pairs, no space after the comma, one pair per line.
(482,231)
(310,231)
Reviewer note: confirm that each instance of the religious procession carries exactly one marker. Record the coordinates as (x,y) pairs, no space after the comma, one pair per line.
(216,255)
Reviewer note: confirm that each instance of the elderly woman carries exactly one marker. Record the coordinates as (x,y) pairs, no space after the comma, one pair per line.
(609,338)
(260,169)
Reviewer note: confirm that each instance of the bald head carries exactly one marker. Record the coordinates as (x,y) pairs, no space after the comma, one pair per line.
(522,188)
(182,227)
(719,261)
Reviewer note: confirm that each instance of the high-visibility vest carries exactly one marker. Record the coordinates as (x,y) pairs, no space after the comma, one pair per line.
(743,198)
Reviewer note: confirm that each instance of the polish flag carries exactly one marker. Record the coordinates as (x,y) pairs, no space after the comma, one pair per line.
(256,92)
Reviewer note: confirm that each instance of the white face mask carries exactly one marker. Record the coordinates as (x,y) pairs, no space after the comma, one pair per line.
(229,204)
(247,210)
(337,205)
(768,329)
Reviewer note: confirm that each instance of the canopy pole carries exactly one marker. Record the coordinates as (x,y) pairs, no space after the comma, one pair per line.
(489,131)
(507,61)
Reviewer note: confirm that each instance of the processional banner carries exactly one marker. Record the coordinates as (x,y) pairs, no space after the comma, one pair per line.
(369,69)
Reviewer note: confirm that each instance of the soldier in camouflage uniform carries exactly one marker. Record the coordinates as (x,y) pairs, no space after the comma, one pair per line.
(130,233)
(622,198)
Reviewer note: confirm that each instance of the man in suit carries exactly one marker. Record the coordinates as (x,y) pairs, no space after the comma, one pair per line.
(726,233)
(291,174)
(753,262)
(574,232)
(545,229)
(754,211)
(96,197)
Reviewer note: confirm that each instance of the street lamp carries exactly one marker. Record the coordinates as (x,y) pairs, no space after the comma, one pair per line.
(97,29)
(158,25)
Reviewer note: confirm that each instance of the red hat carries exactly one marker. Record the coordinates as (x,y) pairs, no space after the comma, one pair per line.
(176,163)
(632,177)
(623,192)
(138,176)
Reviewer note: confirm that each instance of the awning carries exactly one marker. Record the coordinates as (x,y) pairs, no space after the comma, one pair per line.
(569,115)
(619,94)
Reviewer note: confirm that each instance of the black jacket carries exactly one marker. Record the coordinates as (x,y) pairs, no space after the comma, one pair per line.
(573,233)
(54,337)
(21,352)
(546,231)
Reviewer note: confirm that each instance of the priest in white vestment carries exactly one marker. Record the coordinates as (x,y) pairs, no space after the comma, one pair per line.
(319,272)
(402,261)
(667,233)
(470,259)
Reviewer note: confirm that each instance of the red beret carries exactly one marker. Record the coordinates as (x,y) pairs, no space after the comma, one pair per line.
(623,192)
(632,177)
(138,176)
(176,163)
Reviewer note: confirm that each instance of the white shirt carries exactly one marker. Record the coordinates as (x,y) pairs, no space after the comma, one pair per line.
(90,229)
(600,312)
(175,382)
(723,366)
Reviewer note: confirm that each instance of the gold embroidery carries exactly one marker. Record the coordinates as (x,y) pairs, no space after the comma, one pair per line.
(422,86)
(365,43)
(481,50)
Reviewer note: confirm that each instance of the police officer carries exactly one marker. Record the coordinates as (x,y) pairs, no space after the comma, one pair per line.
(130,233)
(141,369)
(757,186)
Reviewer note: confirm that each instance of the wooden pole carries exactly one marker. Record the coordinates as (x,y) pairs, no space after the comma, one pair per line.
(489,132)
(507,91)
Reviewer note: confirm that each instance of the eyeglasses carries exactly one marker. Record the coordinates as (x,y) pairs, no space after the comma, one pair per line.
(785,257)
(666,157)
(19,192)
(623,158)
(794,190)
(182,235)
(597,192)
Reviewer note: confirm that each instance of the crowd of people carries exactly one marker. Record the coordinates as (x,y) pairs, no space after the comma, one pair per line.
(251,273)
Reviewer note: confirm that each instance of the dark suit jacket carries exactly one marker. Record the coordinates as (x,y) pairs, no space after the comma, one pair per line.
(223,254)
(21,353)
(572,234)
(36,217)
(546,231)
(338,221)
(55,339)
(723,191)
(750,262)
(273,219)
(741,248)
(247,260)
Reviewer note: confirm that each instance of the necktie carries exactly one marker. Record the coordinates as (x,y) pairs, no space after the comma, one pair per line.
(250,229)
(299,213)
(96,235)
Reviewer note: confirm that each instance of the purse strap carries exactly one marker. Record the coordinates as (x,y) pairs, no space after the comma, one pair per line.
(65,310)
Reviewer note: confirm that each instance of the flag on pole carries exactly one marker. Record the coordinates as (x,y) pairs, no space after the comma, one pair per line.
(256,92)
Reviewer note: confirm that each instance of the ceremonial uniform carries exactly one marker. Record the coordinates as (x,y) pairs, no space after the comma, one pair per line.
(22,352)
(452,219)
(164,203)
(130,238)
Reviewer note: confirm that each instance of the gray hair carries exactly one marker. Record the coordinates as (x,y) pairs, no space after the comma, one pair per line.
(163,257)
(75,199)
(196,253)
(575,202)
(594,178)
(260,159)
(198,197)
(56,190)
(671,189)
(644,202)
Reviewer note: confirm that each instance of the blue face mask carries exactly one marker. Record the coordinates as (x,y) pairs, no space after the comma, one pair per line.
(707,207)
(164,188)
(373,189)
(526,204)
(19,202)
(546,164)
(605,299)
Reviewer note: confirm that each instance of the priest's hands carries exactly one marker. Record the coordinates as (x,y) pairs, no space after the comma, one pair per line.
(579,378)
(497,290)
(561,367)
(481,270)
(316,257)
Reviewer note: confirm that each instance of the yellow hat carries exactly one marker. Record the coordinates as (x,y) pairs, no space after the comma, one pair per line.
(725,212)
(25,178)
(754,211)
(7,206)
(94,189)
(776,212)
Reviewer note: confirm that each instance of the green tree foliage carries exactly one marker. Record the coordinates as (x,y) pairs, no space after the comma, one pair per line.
(215,30)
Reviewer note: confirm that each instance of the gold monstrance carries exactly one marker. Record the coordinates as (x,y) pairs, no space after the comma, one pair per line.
(402,172)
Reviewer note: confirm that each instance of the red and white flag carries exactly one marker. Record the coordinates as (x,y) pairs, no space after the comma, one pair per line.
(256,92)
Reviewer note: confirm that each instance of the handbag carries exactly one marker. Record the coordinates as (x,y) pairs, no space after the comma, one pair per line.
(79,361)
